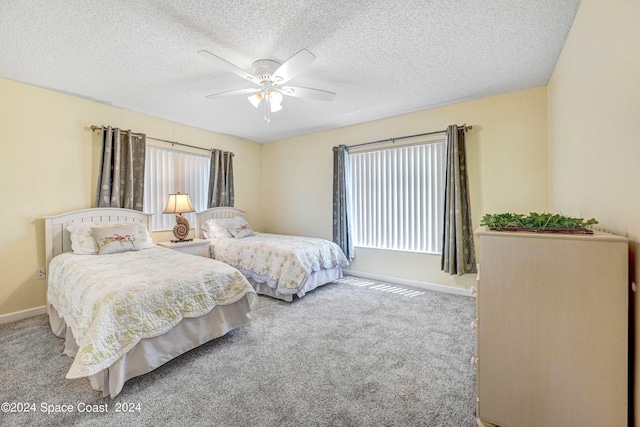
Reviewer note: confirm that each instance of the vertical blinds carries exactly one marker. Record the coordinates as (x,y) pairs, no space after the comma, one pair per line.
(169,171)
(397,197)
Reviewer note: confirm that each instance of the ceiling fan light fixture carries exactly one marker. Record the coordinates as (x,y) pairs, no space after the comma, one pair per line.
(270,75)
(275,100)
(275,107)
(255,99)
(275,96)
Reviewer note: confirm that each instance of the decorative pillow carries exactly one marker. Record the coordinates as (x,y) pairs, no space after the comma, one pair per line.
(216,228)
(240,228)
(83,242)
(116,239)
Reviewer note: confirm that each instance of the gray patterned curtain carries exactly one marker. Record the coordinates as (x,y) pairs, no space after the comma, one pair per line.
(458,252)
(341,225)
(220,179)
(121,179)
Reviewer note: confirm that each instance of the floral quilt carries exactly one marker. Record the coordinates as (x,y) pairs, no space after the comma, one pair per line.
(113,301)
(282,262)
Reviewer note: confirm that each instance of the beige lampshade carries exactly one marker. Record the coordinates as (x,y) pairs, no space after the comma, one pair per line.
(178,204)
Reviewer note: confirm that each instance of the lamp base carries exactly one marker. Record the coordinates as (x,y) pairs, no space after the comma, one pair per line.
(181,240)
(181,230)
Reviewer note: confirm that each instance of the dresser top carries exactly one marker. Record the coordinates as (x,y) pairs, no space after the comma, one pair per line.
(596,236)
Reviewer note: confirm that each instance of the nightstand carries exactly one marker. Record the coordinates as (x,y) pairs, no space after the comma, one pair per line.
(199,247)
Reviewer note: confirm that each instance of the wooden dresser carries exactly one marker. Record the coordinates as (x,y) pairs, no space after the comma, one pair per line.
(552,329)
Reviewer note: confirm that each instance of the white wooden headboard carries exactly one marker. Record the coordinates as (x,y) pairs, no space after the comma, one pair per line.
(222,212)
(57,239)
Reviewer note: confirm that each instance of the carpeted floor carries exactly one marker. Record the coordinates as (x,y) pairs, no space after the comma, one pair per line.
(348,354)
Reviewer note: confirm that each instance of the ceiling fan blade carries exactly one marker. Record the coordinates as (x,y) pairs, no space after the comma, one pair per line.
(308,93)
(293,66)
(233,93)
(221,63)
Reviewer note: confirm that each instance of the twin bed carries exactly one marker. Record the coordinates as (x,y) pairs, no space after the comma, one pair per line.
(125,306)
(279,266)
(126,313)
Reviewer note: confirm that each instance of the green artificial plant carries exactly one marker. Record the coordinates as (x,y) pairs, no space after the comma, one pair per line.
(544,222)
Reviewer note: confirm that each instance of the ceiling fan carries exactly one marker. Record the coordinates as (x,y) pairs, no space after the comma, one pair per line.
(270,77)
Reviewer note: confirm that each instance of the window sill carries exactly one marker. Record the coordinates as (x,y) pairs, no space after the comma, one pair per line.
(398,250)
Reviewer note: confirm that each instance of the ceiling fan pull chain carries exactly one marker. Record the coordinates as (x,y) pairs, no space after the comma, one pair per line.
(267,108)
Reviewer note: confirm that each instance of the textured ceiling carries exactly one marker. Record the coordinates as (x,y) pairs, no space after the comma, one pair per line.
(382,58)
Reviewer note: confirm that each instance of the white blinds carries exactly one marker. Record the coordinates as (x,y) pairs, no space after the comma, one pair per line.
(397,197)
(169,171)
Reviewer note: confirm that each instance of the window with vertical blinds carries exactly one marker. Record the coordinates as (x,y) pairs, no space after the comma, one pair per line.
(397,197)
(168,172)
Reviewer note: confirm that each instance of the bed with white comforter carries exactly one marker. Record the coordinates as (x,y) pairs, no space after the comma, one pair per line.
(124,314)
(279,266)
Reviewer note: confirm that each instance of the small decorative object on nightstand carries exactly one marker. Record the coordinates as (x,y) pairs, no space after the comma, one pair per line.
(179,204)
(199,247)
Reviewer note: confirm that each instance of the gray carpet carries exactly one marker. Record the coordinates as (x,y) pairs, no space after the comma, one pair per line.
(344,355)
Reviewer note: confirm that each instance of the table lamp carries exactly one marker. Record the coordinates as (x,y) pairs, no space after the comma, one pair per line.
(179,204)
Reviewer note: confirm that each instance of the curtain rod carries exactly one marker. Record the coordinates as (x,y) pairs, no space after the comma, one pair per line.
(157,139)
(464,126)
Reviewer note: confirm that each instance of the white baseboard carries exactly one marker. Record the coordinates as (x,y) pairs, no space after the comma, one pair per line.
(412,283)
(23,314)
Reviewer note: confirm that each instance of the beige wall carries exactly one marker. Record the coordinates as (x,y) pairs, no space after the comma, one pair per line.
(507,154)
(48,165)
(594,147)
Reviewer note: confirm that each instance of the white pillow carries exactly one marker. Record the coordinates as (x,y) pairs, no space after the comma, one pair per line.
(240,228)
(216,228)
(83,242)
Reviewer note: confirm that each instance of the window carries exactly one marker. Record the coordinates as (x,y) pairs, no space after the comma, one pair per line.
(170,171)
(397,197)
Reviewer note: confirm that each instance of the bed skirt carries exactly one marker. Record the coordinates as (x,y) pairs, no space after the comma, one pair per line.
(316,279)
(151,353)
